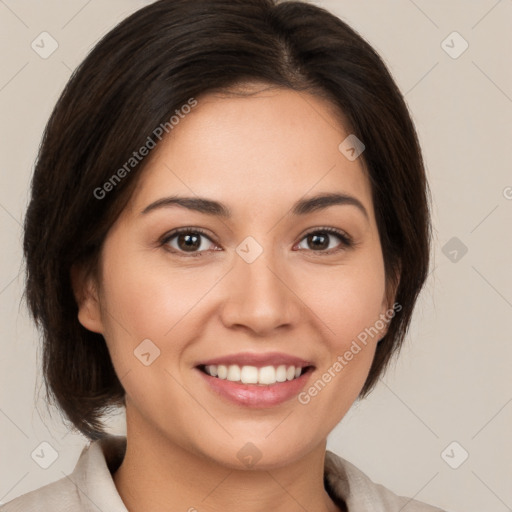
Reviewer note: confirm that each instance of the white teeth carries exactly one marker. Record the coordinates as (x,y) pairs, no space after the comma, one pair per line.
(281,373)
(234,373)
(249,375)
(266,375)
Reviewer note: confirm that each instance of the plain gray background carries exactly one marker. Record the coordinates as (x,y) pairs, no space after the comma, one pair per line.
(450,393)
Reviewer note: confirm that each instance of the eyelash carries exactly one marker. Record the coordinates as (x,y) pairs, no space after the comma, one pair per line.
(346,241)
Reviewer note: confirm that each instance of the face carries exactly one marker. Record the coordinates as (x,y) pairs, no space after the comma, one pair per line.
(277,281)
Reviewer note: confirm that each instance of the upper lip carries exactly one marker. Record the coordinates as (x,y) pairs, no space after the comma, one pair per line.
(258,360)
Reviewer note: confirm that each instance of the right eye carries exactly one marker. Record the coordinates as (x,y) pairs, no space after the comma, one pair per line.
(187,240)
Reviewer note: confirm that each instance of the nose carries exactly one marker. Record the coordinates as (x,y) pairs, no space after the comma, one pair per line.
(260,297)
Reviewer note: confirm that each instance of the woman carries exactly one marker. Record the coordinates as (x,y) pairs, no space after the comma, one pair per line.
(227,234)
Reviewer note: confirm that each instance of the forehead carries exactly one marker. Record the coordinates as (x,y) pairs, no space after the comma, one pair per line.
(267,148)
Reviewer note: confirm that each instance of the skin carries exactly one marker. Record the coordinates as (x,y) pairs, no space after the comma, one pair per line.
(258,155)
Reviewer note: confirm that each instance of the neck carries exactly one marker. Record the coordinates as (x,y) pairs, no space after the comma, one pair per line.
(159,475)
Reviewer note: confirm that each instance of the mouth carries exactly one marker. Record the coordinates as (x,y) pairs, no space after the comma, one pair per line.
(253,375)
(256,380)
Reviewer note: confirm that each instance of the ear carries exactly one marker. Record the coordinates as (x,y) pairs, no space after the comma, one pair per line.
(388,302)
(85,290)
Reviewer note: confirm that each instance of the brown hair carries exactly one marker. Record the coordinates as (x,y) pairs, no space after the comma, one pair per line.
(134,80)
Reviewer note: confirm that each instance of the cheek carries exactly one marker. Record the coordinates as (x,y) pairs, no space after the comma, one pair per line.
(348,305)
(347,300)
(150,300)
(148,316)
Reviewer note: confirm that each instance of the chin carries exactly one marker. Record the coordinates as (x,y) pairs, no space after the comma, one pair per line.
(260,453)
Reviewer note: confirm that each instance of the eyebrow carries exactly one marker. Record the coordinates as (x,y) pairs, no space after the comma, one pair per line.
(211,207)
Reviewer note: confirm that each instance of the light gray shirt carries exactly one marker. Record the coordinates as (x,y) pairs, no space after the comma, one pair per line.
(90,487)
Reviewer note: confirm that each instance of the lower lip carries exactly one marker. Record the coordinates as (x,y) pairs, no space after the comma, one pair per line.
(254,395)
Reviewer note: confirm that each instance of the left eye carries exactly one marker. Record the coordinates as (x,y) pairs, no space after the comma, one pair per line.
(319,239)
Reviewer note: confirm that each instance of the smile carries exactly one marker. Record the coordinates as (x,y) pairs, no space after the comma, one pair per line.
(264,376)
(266,387)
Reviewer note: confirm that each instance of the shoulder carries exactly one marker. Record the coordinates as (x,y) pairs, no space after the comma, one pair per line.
(90,487)
(361,493)
(59,496)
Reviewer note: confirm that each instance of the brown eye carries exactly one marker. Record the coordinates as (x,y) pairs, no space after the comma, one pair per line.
(187,240)
(320,240)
